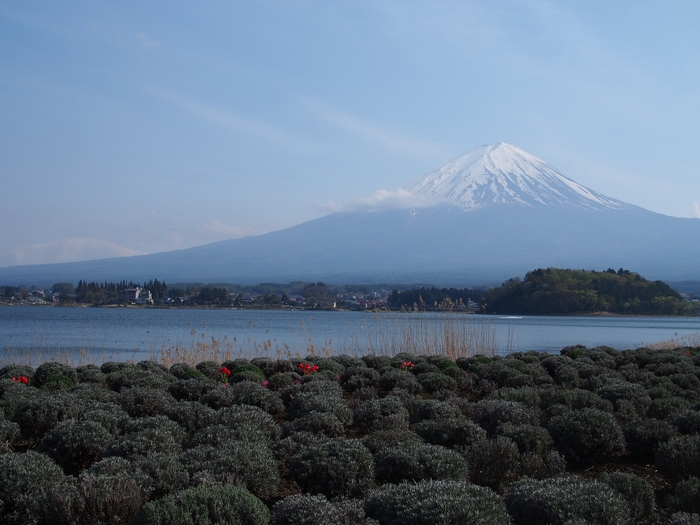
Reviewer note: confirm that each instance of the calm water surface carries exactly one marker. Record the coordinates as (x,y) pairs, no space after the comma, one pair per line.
(125,333)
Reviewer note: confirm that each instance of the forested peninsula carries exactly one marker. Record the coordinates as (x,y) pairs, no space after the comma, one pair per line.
(555,291)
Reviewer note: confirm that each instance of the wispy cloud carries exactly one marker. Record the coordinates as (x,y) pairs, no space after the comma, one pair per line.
(147,42)
(66,250)
(373,132)
(397,199)
(234,122)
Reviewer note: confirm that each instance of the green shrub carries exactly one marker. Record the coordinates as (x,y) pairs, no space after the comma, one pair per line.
(190,415)
(93,392)
(688,422)
(109,498)
(46,371)
(136,377)
(305,509)
(10,371)
(436,502)
(377,361)
(577,398)
(141,401)
(212,370)
(494,463)
(76,445)
(490,413)
(540,466)
(388,412)
(679,457)
(9,432)
(109,415)
(630,400)
(113,366)
(453,432)
(667,408)
(379,439)
(159,423)
(248,393)
(144,442)
(305,402)
(526,395)
(165,474)
(25,481)
(192,389)
(684,518)
(185,371)
(634,490)
(268,366)
(686,496)
(283,380)
(286,447)
(643,436)
(318,423)
(247,372)
(248,420)
(558,501)
(37,415)
(337,468)
(418,461)
(393,378)
(585,433)
(356,378)
(434,381)
(434,409)
(235,462)
(528,438)
(215,504)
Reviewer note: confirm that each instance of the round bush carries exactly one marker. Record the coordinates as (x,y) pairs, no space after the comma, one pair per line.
(190,415)
(558,501)
(337,468)
(436,502)
(635,491)
(232,463)
(192,389)
(688,422)
(490,413)
(25,481)
(317,423)
(434,409)
(435,381)
(585,433)
(305,509)
(494,463)
(46,371)
(248,420)
(418,461)
(75,445)
(144,442)
(686,496)
(109,415)
(159,424)
(679,457)
(528,438)
(453,432)
(388,412)
(377,361)
(643,436)
(248,393)
(141,401)
(185,371)
(37,415)
(684,518)
(305,402)
(375,441)
(393,378)
(112,497)
(215,504)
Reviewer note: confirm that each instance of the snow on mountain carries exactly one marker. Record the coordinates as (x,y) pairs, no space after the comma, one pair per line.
(502,173)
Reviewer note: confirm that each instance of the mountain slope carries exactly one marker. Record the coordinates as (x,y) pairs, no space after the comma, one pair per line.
(496,213)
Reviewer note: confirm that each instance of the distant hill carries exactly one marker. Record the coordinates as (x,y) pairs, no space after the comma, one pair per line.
(490,214)
(555,291)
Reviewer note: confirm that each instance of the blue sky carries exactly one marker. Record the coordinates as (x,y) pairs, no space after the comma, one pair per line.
(136,127)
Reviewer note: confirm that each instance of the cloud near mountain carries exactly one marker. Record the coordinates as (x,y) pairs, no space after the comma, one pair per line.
(396,199)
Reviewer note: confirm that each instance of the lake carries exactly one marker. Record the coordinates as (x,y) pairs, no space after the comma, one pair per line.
(37,334)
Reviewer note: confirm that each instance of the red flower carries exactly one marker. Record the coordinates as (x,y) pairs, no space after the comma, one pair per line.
(21,379)
(407,364)
(225,370)
(307,368)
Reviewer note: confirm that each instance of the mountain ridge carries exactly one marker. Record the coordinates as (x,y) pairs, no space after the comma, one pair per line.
(450,242)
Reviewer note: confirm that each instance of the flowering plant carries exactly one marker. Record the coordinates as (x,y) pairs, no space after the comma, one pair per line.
(407,364)
(308,368)
(226,372)
(21,379)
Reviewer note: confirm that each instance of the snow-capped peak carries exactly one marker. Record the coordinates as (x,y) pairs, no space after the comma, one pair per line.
(502,173)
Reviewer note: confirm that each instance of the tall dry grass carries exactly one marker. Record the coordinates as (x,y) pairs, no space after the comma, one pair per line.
(451,335)
(690,340)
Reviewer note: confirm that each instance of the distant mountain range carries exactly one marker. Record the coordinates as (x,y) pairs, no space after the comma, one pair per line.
(493,213)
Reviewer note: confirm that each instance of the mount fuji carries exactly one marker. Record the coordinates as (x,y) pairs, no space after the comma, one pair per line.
(493,213)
